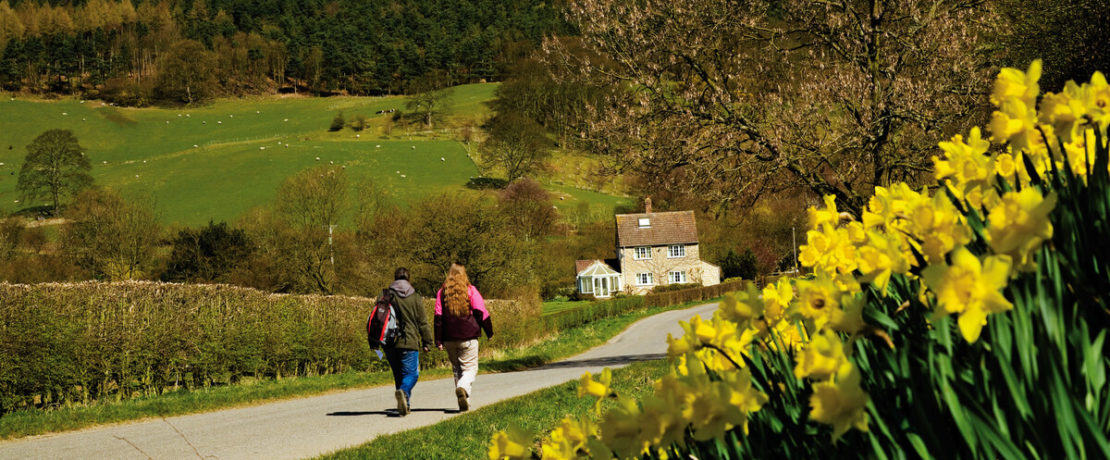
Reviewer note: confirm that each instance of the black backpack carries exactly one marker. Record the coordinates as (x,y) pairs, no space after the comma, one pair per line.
(383,327)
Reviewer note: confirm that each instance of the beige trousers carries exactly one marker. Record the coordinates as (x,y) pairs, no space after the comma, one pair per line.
(464,361)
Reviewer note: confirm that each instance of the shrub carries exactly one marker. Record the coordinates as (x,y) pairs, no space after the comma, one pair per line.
(11,229)
(579,297)
(674,287)
(208,254)
(485,183)
(337,123)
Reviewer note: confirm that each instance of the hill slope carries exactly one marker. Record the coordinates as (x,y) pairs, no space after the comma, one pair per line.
(218,161)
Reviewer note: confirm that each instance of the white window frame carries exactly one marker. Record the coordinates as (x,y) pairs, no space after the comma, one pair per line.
(677,277)
(676,251)
(587,285)
(645,279)
(644,222)
(636,253)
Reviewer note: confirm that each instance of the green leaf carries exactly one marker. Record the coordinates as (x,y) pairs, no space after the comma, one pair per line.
(918,445)
(956,410)
(1065,422)
(998,442)
(1095,364)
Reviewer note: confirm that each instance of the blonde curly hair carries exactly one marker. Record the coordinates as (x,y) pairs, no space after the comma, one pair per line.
(456,291)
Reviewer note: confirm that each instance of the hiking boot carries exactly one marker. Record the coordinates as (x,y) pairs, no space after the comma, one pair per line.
(402,403)
(464,403)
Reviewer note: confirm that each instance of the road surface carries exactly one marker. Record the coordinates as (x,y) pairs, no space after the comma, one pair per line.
(311,426)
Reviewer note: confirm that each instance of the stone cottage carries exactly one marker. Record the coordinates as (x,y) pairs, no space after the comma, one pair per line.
(653,249)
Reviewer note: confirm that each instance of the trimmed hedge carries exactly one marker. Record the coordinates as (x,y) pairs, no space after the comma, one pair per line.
(65,343)
(662,299)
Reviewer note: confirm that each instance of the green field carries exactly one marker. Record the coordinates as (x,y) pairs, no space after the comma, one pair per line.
(217,161)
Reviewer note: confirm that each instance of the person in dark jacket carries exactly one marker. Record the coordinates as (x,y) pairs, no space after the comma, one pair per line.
(460,317)
(416,334)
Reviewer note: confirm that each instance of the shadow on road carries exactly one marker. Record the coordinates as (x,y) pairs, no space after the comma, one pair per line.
(607,361)
(388,412)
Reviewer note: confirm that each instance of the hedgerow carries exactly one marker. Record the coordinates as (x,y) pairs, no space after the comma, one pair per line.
(76,343)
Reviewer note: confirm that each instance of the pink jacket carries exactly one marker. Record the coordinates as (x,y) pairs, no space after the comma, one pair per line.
(476,301)
(450,328)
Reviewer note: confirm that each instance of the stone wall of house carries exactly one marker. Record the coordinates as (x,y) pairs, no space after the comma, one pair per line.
(660,266)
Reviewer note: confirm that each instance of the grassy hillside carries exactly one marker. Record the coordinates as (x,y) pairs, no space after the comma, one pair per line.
(217,161)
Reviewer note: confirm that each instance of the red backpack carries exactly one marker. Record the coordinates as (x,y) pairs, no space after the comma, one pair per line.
(383,327)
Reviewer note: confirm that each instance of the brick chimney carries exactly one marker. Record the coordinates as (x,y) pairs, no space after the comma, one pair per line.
(647,205)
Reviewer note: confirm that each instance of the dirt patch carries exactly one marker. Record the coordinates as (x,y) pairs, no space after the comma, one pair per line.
(32,223)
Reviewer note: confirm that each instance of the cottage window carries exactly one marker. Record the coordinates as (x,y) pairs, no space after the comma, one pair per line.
(676,250)
(587,285)
(645,222)
(678,277)
(644,279)
(642,252)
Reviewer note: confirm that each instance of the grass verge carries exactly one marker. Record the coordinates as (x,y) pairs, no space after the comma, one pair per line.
(466,436)
(567,343)
(556,306)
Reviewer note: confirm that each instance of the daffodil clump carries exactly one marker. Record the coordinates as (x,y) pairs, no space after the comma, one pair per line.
(947,250)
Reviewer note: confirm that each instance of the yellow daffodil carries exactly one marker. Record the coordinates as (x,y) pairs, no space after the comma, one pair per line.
(662,422)
(680,346)
(1063,111)
(849,317)
(880,257)
(511,443)
(1015,123)
(819,299)
(1012,83)
(620,429)
(742,306)
(1019,224)
(970,288)
(822,358)
(965,163)
(569,440)
(840,403)
(1005,165)
(1096,99)
(776,298)
(828,215)
(599,389)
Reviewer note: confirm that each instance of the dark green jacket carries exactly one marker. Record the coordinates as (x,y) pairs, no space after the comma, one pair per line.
(416,331)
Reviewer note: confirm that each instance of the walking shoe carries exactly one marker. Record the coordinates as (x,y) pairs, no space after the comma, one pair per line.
(464,403)
(402,403)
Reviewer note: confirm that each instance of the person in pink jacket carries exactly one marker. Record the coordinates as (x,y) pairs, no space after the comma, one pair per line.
(460,317)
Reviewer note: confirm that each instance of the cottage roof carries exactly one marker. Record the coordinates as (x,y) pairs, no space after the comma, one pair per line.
(662,228)
(603,269)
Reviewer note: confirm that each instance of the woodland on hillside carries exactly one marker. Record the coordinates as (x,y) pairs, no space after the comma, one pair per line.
(182,51)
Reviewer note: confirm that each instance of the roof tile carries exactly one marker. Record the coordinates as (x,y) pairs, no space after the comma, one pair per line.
(677,227)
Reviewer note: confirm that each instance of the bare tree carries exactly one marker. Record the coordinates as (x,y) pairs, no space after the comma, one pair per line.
(310,205)
(110,237)
(527,208)
(430,94)
(516,145)
(730,100)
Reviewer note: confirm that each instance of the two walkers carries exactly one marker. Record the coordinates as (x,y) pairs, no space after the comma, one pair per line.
(460,315)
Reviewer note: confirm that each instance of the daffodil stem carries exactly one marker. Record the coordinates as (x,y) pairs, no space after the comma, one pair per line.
(719,350)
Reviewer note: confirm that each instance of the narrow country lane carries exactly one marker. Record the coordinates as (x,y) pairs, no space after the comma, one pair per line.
(311,426)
